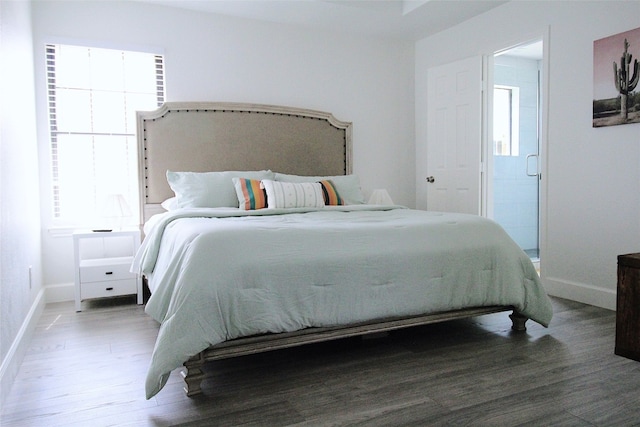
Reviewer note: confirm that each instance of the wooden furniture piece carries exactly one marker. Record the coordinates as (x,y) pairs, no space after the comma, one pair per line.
(193,374)
(202,137)
(102,264)
(628,307)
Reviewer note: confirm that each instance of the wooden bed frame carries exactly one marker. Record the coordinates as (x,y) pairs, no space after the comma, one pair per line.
(203,137)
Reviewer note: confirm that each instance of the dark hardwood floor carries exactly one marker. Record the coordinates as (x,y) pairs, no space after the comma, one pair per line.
(88,369)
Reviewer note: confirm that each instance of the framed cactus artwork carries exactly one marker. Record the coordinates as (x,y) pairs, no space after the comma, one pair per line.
(616,71)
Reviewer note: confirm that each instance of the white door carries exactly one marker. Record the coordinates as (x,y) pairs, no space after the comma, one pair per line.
(454,136)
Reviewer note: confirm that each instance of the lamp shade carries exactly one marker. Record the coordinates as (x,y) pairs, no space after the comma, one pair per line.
(115,206)
(380,197)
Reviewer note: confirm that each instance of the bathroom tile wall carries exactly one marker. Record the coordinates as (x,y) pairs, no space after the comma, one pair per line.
(515,193)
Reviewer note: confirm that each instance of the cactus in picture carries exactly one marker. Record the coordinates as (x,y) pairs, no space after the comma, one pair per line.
(624,84)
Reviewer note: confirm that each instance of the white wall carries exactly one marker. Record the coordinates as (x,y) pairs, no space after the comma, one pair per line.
(215,58)
(592,178)
(19,201)
(592,174)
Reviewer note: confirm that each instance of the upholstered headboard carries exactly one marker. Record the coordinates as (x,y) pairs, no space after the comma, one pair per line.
(203,137)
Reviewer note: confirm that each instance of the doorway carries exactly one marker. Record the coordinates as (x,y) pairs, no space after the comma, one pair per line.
(514,199)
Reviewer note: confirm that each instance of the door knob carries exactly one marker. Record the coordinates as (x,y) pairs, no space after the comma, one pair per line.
(431,179)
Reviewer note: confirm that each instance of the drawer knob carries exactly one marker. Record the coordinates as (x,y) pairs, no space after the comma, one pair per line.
(108,289)
(108,272)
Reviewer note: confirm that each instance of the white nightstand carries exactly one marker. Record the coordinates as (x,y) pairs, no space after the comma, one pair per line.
(102,263)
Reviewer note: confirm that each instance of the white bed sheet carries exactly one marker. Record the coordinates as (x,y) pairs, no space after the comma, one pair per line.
(218,274)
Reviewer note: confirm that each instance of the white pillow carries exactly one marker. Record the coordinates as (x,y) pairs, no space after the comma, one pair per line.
(293,195)
(170,204)
(209,189)
(348,186)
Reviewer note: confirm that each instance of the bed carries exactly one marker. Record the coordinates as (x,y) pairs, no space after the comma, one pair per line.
(258,237)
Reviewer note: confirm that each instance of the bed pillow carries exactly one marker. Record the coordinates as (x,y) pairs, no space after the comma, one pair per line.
(348,186)
(293,195)
(330,194)
(209,189)
(170,204)
(251,194)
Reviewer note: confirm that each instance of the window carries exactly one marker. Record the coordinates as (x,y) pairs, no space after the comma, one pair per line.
(93,96)
(506,120)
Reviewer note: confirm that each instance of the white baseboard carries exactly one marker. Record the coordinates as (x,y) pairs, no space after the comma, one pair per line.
(581,292)
(11,363)
(13,360)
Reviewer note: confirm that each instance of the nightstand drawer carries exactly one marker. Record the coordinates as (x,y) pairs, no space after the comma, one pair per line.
(108,288)
(106,270)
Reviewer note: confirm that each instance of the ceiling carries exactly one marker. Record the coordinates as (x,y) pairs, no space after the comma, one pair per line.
(409,20)
(528,51)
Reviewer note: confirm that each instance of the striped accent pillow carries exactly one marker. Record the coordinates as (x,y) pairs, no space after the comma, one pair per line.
(251,194)
(330,194)
(293,195)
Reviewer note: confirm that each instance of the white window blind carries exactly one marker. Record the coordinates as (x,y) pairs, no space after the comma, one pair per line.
(93,96)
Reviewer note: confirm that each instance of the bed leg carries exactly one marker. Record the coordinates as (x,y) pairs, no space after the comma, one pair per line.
(518,321)
(193,375)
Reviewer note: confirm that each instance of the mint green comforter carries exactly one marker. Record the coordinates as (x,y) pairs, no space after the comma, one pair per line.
(219,274)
